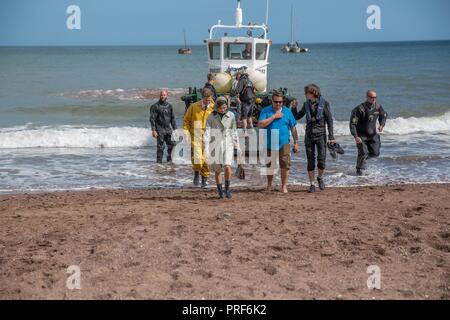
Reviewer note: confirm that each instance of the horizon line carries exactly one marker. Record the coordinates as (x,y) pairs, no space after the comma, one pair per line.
(202,44)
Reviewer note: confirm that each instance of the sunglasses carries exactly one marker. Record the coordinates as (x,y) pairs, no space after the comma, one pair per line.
(372,97)
(278,102)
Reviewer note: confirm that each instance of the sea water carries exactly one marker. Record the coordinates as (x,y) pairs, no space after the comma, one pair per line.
(77,117)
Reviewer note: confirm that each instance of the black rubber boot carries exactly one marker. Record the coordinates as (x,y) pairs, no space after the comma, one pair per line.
(321,183)
(220,191)
(359,172)
(204,182)
(227,189)
(196,178)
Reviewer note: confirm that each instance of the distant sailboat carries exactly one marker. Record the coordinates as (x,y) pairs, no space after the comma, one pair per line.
(185,50)
(292,46)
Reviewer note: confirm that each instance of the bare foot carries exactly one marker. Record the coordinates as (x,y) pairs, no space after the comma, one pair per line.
(269,189)
(284,190)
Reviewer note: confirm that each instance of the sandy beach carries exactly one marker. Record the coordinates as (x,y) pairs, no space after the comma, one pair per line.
(186,244)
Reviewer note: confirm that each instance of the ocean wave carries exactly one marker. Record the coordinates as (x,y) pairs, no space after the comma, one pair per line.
(115,137)
(75,137)
(122,94)
(403,126)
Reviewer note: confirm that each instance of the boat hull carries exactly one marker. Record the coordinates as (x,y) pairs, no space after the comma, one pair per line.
(185,51)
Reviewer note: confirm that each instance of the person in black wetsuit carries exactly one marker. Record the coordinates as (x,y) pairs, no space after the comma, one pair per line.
(246,97)
(162,122)
(318,118)
(363,127)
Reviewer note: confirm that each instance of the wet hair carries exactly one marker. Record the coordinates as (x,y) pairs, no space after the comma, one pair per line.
(210,77)
(206,93)
(277,93)
(313,89)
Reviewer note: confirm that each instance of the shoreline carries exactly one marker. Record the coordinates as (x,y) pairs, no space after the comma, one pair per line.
(186,244)
(294,187)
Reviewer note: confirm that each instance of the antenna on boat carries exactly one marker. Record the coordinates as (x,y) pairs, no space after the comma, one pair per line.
(292,23)
(239,14)
(267,12)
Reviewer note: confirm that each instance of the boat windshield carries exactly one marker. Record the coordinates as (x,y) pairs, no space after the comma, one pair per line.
(261,51)
(214,50)
(238,51)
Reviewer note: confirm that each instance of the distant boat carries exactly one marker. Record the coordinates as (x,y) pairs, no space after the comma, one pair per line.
(293,47)
(185,50)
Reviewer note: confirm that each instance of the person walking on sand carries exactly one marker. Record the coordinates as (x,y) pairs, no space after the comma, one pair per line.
(363,127)
(318,119)
(221,124)
(279,117)
(194,124)
(162,122)
(210,85)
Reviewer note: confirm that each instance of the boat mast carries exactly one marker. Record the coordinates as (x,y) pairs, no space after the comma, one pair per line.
(184,32)
(292,23)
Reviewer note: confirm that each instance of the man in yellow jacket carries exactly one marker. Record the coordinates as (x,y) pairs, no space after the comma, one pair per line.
(194,124)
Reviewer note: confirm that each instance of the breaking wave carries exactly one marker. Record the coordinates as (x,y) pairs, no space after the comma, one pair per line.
(402,126)
(29,136)
(122,94)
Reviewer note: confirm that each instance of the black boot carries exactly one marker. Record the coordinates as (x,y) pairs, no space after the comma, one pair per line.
(204,182)
(321,183)
(227,189)
(196,178)
(359,172)
(220,191)
(312,189)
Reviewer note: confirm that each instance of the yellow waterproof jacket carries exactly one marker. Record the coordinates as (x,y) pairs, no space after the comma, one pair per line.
(196,113)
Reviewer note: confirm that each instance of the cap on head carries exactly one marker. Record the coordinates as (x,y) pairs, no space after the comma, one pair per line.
(220,102)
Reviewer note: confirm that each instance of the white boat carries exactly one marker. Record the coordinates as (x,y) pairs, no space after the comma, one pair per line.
(234,48)
(293,46)
(250,52)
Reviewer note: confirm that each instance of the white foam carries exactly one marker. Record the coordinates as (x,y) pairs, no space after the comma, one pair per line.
(117,137)
(122,94)
(75,137)
(402,126)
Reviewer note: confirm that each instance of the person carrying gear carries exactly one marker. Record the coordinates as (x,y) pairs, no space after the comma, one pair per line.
(194,124)
(318,117)
(162,122)
(245,96)
(363,127)
(221,125)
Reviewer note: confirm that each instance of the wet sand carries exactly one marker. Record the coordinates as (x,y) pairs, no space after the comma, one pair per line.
(186,244)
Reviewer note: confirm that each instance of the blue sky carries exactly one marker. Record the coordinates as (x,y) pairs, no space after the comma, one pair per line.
(150,22)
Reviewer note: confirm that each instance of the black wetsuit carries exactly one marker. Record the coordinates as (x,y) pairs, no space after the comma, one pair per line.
(211,87)
(363,124)
(316,136)
(162,120)
(246,92)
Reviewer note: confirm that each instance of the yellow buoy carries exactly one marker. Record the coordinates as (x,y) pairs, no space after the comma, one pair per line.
(223,82)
